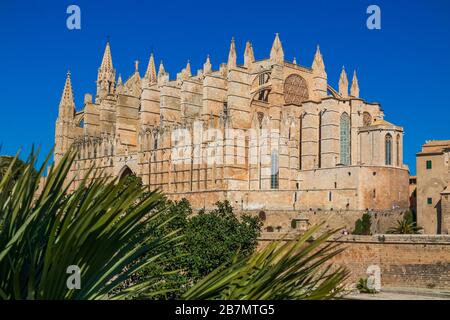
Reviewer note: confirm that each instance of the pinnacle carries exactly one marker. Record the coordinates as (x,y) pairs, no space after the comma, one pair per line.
(107,58)
(67,95)
(150,74)
(277,53)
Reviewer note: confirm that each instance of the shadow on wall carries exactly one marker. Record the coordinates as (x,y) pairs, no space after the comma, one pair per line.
(438,208)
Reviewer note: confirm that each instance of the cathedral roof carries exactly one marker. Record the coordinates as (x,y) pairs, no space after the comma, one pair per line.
(382,122)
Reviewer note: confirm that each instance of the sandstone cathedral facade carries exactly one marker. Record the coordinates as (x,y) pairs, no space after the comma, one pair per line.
(300,151)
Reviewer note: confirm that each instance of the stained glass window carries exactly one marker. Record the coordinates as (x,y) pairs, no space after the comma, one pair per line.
(274,172)
(345,139)
(388,145)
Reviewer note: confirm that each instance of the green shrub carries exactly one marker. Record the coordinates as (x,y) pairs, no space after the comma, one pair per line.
(362,225)
(210,239)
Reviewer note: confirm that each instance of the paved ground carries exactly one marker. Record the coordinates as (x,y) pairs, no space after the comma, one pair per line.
(404,294)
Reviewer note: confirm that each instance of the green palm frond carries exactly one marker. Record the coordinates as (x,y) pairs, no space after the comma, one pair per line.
(100,227)
(407,225)
(298,269)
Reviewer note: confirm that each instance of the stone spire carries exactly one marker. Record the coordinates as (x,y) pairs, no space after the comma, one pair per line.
(232,55)
(276,53)
(207,67)
(150,74)
(294,61)
(343,83)
(106,76)
(319,74)
(65,122)
(354,89)
(318,65)
(187,70)
(161,70)
(249,56)
(107,58)
(67,103)
(163,76)
(119,84)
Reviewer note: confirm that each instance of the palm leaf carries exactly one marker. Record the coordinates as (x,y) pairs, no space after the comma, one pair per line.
(100,227)
(297,269)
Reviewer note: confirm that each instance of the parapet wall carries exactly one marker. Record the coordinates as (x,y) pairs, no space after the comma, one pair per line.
(291,221)
(421,261)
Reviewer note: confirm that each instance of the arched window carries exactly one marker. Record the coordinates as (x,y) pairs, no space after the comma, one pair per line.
(300,137)
(319,151)
(261,86)
(263,78)
(397,146)
(155,141)
(259,147)
(125,172)
(388,149)
(262,216)
(263,95)
(345,139)
(274,172)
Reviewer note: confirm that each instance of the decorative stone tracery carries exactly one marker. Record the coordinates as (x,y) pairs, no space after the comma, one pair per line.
(295,89)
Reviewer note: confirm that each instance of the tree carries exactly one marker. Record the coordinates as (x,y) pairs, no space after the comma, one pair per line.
(362,225)
(170,271)
(296,270)
(210,239)
(213,238)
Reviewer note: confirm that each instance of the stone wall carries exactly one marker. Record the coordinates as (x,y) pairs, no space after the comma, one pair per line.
(421,261)
(381,221)
(289,218)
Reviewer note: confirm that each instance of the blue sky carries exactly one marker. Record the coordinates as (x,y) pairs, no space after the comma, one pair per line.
(405,66)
